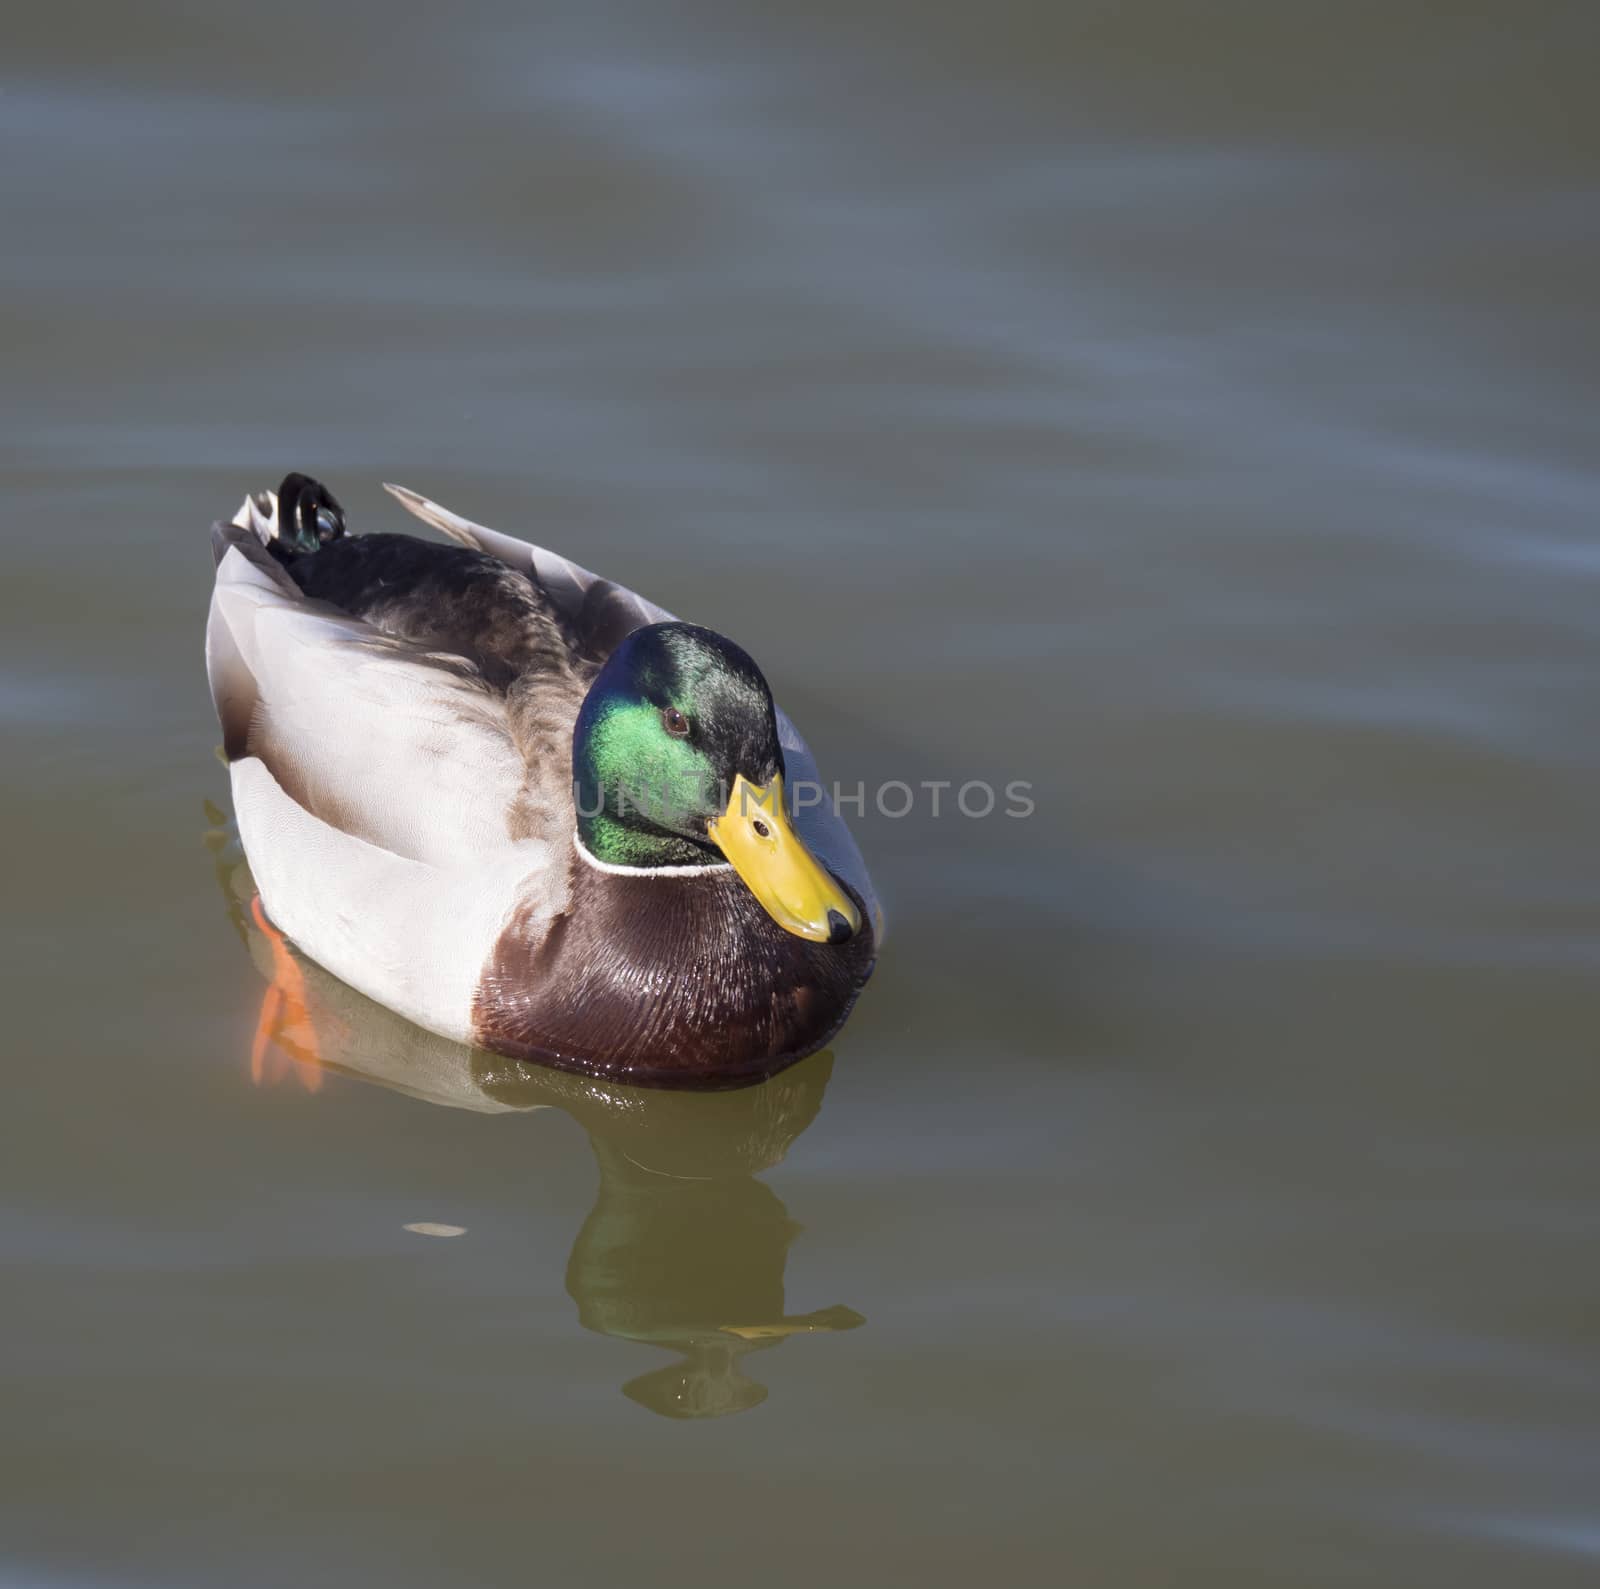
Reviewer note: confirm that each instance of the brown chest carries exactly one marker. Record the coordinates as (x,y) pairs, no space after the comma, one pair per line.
(665,981)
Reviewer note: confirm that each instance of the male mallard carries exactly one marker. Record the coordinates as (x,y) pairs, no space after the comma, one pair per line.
(524,807)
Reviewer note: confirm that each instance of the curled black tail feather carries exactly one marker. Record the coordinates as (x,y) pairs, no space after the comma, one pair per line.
(309,516)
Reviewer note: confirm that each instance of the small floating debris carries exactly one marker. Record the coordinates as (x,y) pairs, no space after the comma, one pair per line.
(426,1227)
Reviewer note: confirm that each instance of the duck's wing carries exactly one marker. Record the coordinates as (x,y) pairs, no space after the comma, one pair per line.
(600,614)
(374,782)
(394,744)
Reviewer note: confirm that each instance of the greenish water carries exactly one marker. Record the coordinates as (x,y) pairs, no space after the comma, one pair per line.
(1189,411)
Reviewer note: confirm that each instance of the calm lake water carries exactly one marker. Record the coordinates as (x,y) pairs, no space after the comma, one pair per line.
(1188,410)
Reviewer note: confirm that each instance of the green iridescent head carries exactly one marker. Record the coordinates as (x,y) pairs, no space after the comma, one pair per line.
(676,762)
(675,715)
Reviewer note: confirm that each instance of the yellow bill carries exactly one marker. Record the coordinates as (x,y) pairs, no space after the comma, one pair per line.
(791,884)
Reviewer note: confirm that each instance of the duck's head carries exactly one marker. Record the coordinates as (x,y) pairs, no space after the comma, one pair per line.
(676,763)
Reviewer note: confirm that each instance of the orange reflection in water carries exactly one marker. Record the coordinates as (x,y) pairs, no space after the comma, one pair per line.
(286,1035)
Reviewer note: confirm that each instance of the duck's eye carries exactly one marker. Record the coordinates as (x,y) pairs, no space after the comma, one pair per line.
(674,722)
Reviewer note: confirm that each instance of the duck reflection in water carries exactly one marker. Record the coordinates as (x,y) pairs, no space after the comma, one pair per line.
(684,1248)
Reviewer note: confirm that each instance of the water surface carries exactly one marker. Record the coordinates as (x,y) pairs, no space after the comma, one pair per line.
(1187,410)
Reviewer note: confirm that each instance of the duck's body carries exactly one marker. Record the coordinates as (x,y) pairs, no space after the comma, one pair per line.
(399,719)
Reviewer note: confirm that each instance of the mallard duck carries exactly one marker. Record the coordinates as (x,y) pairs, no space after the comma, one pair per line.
(524,807)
